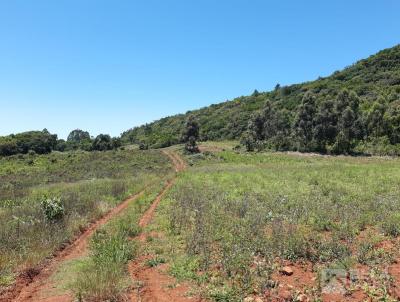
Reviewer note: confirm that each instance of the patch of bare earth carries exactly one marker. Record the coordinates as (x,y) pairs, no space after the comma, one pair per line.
(154,284)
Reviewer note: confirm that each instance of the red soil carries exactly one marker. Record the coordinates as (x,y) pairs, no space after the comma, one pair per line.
(153,283)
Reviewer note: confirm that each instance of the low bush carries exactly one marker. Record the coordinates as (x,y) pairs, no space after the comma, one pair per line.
(52,208)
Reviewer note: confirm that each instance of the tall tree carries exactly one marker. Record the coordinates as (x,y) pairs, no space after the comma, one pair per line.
(269,126)
(349,123)
(191,134)
(375,118)
(325,130)
(392,122)
(78,135)
(345,135)
(304,122)
(102,142)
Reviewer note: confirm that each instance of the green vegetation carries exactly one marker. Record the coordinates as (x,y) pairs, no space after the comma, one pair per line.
(337,127)
(77,139)
(42,142)
(190,135)
(354,110)
(155,261)
(47,199)
(103,276)
(233,218)
(104,142)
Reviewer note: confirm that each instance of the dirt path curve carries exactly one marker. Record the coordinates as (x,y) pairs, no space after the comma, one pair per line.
(40,287)
(153,283)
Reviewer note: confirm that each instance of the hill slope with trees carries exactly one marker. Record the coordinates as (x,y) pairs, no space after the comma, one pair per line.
(356,109)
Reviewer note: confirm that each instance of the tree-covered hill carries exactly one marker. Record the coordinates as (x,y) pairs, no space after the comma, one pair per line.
(375,82)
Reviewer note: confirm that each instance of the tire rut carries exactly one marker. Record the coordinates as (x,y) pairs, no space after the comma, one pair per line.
(153,283)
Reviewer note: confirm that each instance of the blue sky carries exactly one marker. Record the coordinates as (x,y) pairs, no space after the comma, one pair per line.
(105,66)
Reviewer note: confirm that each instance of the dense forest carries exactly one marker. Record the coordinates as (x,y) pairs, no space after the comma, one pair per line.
(353,110)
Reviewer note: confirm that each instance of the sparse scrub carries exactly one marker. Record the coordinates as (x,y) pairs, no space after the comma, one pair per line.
(44,205)
(234,213)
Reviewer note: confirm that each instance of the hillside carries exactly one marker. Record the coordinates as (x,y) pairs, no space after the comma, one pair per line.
(372,79)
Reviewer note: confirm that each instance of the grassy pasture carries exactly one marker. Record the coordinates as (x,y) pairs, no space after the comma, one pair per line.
(231,215)
(87,184)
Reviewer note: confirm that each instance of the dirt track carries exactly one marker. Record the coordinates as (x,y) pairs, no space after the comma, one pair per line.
(153,283)
(38,286)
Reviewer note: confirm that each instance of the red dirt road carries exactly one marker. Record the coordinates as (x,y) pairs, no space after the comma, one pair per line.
(155,284)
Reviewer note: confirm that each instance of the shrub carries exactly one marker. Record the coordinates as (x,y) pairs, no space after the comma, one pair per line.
(52,208)
(143,146)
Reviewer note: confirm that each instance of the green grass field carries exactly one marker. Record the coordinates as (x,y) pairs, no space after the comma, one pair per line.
(85,185)
(231,215)
(229,224)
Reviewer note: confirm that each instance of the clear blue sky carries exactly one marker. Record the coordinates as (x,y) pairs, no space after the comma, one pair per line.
(105,66)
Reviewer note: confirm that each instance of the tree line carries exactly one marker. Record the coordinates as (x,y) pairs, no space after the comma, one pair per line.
(335,126)
(42,142)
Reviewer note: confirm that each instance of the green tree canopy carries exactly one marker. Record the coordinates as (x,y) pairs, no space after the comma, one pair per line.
(78,135)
